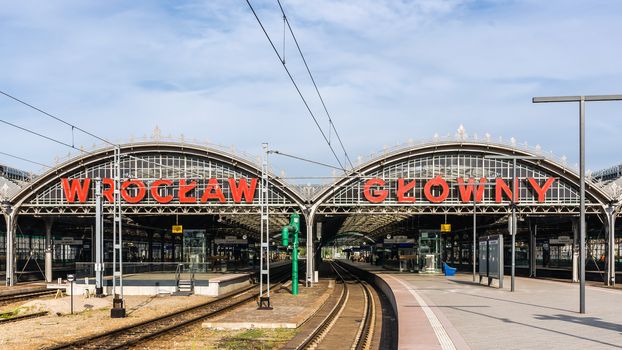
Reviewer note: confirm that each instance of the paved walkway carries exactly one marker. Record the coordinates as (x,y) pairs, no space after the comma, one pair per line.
(539,314)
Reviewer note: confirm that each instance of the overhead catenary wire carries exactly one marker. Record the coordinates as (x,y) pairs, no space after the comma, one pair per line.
(43,136)
(276,51)
(55,117)
(84,151)
(305,160)
(25,159)
(317,90)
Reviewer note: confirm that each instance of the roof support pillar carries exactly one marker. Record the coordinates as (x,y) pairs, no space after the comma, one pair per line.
(310,266)
(575,250)
(10,217)
(49,222)
(611,261)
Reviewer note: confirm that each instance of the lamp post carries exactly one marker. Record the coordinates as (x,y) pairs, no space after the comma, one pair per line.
(70,278)
(512,225)
(581,100)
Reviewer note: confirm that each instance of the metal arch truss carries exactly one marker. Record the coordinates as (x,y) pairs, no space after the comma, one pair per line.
(529,209)
(148,166)
(135,209)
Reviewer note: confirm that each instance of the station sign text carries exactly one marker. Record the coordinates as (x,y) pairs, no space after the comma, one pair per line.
(186,191)
(435,190)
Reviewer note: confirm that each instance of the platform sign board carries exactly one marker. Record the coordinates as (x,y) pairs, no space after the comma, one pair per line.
(445,227)
(178,229)
(399,239)
(561,240)
(68,241)
(491,258)
(230,240)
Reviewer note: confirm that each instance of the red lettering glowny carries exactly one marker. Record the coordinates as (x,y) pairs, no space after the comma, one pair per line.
(402,188)
(466,190)
(376,196)
(435,182)
(541,191)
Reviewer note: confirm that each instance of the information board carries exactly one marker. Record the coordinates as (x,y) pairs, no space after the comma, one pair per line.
(483,258)
(491,258)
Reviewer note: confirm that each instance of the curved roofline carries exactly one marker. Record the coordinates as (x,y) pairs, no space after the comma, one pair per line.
(448,146)
(94,156)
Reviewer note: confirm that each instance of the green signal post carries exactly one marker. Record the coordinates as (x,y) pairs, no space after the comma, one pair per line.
(294,226)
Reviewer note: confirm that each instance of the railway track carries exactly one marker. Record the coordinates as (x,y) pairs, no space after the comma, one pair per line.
(23,317)
(7,299)
(350,323)
(135,334)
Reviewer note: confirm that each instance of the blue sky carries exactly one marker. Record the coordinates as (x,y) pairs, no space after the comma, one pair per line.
(389,71)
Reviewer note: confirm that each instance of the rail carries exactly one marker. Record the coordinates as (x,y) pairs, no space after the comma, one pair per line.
(134,334)
(364,334)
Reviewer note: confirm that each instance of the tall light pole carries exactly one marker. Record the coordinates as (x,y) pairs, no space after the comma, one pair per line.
(513,208)
(581,100)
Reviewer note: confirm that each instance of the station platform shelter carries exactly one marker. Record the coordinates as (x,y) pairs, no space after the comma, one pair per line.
(387,211)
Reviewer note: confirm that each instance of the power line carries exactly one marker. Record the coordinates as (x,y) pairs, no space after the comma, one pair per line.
(43,136)
(330,120)
(66,123)
(55,117)
(305,160)
(87,152)
(295,85)
(25,160)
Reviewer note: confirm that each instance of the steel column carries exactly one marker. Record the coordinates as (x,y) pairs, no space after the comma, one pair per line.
(118,308)
(611,264)
(582,205)
(474,255)
(532,251)
(309,217)
(264,250)
(99,240)
(49,222)
(575,249)
(11,221)
(514,224)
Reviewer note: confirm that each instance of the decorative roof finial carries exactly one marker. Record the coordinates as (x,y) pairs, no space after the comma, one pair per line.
(461,133)
(157,133)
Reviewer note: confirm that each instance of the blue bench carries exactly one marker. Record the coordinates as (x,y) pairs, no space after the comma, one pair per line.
(449,271)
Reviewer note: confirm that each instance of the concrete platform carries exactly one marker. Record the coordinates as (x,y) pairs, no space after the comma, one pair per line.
(22,288)
(437,312)
(209,284)
(288,311)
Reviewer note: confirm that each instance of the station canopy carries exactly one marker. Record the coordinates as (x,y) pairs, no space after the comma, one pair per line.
(450,177)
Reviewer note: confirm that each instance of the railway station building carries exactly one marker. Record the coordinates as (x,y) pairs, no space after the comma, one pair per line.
(388,210)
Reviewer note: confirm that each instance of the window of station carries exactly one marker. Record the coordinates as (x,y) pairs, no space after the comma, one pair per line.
(596,249)
(29,246)
(66,253)
(156,252)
